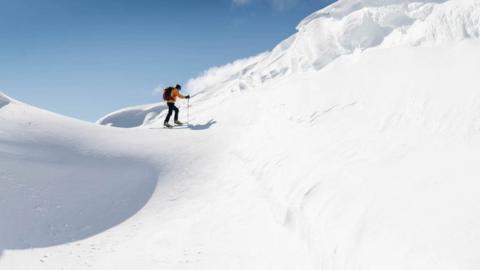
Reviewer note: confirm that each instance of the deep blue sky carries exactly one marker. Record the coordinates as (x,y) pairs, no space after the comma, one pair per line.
(86,58)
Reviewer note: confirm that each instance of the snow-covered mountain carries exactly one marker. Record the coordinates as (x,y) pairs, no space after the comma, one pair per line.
(347,27)
(351,145)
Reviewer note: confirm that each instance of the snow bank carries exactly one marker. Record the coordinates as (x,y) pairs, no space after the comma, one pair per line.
(376,171)
(133,116)
(59,184)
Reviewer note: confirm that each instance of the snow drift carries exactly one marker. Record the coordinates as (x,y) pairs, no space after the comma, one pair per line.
(351,145)
(56,186)
(134,116)
(4,100)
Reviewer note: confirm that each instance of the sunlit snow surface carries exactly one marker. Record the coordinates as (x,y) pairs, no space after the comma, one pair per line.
(354,144)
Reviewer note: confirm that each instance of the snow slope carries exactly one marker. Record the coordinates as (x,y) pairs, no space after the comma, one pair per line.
(77,195)
(352,145)
(56,180)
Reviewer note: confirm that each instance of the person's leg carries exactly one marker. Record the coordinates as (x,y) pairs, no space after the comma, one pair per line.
(170,110)
(175,118)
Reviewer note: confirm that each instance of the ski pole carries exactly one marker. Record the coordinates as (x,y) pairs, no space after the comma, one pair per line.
(188,111)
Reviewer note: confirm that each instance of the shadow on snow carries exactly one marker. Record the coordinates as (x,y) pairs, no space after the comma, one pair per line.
(52,195)
(202,126)
(191,126)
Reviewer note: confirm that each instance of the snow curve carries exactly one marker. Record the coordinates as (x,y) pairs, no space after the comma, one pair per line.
(56,189)
(79,197)
(133,116)
(4,100)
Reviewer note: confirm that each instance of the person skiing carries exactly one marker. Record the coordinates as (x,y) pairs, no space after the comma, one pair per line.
(170,95)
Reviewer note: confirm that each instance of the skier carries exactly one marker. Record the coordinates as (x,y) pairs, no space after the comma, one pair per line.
(170,95)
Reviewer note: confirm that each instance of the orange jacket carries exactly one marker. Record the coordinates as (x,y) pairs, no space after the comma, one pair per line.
(173,96)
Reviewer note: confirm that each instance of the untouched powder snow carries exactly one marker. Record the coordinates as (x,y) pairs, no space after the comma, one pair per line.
(352,145)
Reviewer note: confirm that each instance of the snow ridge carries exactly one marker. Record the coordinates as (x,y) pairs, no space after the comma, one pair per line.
(4,100)
(58,181)
(133,116)
(346,27)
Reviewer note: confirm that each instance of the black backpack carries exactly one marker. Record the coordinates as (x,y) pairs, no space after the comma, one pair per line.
(167,93)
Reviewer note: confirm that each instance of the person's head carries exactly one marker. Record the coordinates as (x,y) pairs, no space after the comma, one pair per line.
(179,87)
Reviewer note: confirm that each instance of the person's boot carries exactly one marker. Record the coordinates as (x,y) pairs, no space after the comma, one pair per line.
(178,123)
(167,125)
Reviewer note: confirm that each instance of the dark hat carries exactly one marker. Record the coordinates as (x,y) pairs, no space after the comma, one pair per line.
(178,86)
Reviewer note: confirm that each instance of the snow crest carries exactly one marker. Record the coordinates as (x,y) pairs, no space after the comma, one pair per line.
(4,100)
(57,185)
(133,116)
(346,27)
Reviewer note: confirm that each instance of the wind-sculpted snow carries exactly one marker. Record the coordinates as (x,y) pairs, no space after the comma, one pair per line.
(369,164)
(357,149)
(373,164)
(57,188)
(343,8)
(349,26)
(4,100)
(343,28)
(452,21)
(133,117)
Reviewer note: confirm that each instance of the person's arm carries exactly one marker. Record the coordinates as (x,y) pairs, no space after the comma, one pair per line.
(182,96)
